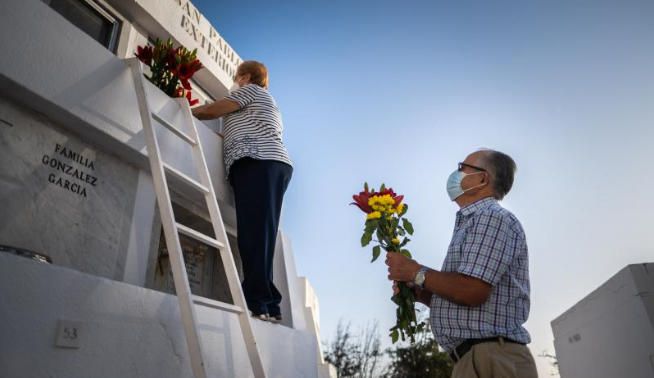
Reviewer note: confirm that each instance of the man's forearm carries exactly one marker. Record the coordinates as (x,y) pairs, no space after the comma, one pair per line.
(457,288)
(454,287)
(423,296)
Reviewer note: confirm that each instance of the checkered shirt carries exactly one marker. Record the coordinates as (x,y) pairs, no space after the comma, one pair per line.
(488,243)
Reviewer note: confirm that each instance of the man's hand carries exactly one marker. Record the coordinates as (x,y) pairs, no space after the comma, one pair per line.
(401,268)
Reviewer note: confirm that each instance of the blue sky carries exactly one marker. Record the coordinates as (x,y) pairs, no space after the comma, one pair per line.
(400,92)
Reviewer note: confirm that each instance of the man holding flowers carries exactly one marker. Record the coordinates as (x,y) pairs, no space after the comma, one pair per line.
(479,300)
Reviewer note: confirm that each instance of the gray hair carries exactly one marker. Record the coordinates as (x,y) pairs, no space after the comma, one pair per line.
(502,169)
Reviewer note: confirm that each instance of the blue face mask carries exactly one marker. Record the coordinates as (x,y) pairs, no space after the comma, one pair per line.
(454,189)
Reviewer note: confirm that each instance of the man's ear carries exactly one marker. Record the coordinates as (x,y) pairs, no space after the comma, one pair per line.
(484,178)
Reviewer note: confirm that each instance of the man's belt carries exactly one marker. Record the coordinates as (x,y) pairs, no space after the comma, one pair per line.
(457,353)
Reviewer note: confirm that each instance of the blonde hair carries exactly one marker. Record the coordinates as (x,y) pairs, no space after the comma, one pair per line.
(257,71)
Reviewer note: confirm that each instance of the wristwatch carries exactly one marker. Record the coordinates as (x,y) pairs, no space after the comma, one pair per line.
(419,279)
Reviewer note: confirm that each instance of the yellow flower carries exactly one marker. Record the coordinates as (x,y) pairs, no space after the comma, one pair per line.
(395,241)
(374,215)
(383,204)
(400,207)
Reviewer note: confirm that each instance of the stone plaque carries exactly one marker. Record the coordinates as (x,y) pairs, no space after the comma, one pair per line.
(201,269)
(204,267)
(61,196)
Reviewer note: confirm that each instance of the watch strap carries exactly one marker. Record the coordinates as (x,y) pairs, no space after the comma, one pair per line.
(419,279)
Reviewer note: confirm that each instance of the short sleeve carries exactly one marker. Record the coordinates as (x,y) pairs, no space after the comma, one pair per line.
(486,252)
(244,96)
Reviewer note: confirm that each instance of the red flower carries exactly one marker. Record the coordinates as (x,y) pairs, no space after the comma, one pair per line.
(186,70)
(144,54)
(361,201)
(186,84)
(170,67)
(191,102)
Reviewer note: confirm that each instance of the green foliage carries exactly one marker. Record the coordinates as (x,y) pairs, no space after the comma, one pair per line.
(355,355)
(407,226)
(421,359)
(359,355)
(366,238)
(376,251)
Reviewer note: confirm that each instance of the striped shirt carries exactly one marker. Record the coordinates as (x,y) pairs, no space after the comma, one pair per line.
(490,244)
(255,130)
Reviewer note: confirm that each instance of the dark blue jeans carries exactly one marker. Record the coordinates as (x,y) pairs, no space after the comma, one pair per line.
(259,187)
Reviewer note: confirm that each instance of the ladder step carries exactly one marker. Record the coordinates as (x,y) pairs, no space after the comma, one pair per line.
(216,304)
(185,178)
(174,129)
(199,236)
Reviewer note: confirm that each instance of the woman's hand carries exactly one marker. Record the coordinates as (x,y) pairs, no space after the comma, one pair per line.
(215,109)
(198,111)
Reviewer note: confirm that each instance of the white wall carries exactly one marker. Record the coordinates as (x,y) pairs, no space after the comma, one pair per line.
(126,331)
(610,333)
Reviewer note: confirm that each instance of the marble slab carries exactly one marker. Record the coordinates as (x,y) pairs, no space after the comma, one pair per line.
(61,196)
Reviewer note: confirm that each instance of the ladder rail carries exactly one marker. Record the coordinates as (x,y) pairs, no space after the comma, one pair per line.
(220,234)
(187,311)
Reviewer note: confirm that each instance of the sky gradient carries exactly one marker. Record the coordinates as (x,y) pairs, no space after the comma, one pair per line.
(400,92)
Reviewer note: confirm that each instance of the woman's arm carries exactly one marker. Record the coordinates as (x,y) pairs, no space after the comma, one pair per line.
(215,109)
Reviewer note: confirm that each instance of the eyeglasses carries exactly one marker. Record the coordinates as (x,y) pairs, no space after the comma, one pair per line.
(462,165)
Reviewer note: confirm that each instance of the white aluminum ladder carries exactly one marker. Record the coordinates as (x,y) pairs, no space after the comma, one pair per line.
(172,229)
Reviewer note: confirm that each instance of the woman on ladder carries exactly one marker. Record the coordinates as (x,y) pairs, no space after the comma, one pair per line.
(259,169)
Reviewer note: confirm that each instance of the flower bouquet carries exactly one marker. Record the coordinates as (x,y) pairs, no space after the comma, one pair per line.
(170,68)
(386,224)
